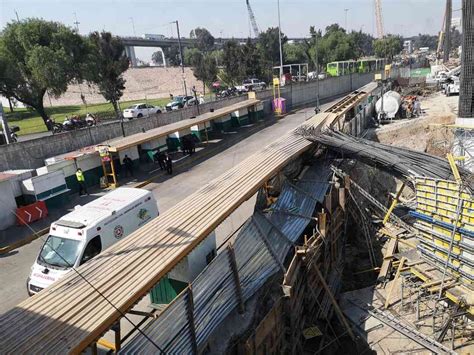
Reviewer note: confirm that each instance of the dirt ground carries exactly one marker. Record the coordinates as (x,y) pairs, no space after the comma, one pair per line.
(423,133)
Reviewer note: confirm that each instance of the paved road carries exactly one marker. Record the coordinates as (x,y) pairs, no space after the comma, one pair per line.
(15,267)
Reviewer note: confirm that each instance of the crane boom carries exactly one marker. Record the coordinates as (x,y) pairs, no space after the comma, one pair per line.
(378,18)
(256,31)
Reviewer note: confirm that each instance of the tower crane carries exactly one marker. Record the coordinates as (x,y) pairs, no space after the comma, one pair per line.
(378,18)
(256,31)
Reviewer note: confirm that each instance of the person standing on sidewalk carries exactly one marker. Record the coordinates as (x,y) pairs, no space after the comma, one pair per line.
(82,182)
(169,164)
(128,164)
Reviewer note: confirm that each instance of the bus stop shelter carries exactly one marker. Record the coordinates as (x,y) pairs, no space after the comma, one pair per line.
(168,137)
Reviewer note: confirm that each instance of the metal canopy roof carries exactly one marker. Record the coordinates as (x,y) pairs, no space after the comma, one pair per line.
(119,144)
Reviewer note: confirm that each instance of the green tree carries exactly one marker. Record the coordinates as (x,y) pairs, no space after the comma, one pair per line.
(231,61)
(172,55)
(205,40)
(388,47)
(425,40)
(204,68)
(362,43)
(250,62)
(294,53)
(190,55)
(269,46)
(157,57)
(106,65)
(36,57)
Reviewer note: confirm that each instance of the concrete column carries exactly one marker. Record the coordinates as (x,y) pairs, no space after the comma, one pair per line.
(130,53)
(164,57)
(447,30)
(464,138)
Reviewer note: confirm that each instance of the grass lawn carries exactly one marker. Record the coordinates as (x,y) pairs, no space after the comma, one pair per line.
(29,121)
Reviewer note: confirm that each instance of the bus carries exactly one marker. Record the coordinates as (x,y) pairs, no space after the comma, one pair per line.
(365,65)
(341,68)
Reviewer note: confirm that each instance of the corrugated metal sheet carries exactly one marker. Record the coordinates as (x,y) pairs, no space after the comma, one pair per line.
(296,204)
(214,291)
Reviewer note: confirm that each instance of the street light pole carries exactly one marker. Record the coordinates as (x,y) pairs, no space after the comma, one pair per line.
(181,57)
(345,19)
(76,23)
(133,26)
(279,40)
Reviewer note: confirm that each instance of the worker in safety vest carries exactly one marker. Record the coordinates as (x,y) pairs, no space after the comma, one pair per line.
(82,182)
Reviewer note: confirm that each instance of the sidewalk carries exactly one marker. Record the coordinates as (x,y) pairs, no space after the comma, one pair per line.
(17,236)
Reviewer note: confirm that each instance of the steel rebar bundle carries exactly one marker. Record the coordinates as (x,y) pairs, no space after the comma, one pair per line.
(402,162)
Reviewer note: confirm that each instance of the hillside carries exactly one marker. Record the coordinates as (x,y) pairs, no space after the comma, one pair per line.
(152,82)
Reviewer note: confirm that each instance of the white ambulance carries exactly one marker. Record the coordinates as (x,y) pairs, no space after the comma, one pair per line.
(83,233)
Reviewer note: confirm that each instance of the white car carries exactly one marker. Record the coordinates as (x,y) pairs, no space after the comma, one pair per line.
(140,110)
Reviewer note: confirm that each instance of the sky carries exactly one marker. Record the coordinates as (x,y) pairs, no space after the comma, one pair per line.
(229,18)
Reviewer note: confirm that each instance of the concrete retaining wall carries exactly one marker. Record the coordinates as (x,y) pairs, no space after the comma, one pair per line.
(31,154)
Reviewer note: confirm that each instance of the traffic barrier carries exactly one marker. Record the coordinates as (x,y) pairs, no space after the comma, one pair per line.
(28,214)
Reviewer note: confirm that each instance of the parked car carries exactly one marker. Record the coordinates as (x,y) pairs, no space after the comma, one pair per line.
(251,84)
(140,110)
(178,102)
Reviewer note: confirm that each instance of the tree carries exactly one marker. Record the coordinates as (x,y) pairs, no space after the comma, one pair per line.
(190,55)
(157,57)
(425,40)
(294,53)
(231,57)
(106,65)
(250,62)
(269,45)
(204,39)
(388,47)
(36,57)
(362,43)
(204,68)
(172,55)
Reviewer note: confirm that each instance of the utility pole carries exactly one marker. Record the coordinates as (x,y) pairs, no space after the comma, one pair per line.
(76,22)
(17,17)
(317,72)
(181,57)
(345,19)
(279,40)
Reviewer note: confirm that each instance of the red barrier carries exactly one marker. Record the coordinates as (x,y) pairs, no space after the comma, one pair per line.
(28,214)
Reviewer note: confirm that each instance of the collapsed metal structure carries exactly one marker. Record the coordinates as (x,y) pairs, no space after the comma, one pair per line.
(86,303)
(404,163)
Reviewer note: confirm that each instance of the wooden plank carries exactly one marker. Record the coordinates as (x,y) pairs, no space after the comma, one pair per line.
(387,260)
(119,144)
(125,272)
(392,286)
(341,316)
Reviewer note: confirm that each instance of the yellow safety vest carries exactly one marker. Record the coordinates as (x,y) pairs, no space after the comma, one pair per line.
(80,176)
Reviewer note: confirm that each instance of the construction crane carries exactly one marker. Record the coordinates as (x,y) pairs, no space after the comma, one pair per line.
(378,18)
(256,31)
